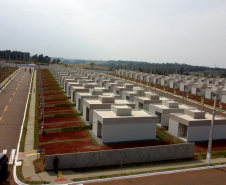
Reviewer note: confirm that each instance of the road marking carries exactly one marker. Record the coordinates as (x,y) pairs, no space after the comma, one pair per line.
(60,176)
(59,180)
(0,118)
(10,100)
(16,88)
(12,155)
(4,151)
(26,155)
(18,85)
(13,93)
(6,108)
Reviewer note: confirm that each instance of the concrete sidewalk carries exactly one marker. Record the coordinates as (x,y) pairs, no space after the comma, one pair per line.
(30,175)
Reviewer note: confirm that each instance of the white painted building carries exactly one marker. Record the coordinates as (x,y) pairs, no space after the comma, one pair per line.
(162,111)
(84,88)
(103,102)
(119,89)
(143,102)
(121,124)
(79,83)
(111,85)
(136,91)
(194,125)
(210,93)
(200,89)
(93,95)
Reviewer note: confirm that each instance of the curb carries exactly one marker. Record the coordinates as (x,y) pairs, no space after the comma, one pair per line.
(147,174)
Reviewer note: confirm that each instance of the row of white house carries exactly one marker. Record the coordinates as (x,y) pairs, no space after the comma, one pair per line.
(205,87)
(2,64)
(120,111)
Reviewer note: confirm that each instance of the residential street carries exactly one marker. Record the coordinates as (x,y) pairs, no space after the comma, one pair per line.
(12,106)
(216,176)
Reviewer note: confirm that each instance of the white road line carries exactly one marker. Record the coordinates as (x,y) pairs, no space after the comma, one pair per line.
(4,151)
(11,159)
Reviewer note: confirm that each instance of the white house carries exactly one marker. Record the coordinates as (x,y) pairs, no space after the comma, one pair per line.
(143,102)
(121,124)
(194,125)
(103,102)
(93,95)
(136,91)
(162,111)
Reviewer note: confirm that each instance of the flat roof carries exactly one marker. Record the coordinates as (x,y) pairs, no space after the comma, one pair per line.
(89,94)
(190,121)
(116,102)
(180,106)
(134,113)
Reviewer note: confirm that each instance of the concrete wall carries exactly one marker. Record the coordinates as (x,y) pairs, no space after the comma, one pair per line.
(126,156)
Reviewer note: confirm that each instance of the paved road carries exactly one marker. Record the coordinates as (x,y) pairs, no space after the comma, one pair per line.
(12,105)
(215,176)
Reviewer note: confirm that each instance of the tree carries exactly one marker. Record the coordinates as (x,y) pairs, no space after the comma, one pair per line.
(181,70)
(92,64)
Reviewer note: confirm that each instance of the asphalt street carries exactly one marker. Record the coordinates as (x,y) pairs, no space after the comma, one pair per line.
(216,176)
(12,105)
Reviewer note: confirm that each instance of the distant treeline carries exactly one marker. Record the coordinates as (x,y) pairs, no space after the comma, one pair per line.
(159,68)
(26,57)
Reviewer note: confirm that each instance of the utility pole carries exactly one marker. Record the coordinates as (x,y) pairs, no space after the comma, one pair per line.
(9,66)
(150,83)
(183,95)
(208,157)
(0,76)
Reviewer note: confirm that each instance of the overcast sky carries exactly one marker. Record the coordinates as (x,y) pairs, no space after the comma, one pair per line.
(183,31)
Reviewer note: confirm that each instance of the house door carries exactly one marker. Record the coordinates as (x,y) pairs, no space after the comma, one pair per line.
(87,114)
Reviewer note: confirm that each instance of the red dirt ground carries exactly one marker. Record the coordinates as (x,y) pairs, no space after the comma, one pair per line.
(54,102)
(54,95)
(61,120)
(61,125)
(45,91)
(62,136)
(216,146)
(53,110)
(88,146)
(51,86)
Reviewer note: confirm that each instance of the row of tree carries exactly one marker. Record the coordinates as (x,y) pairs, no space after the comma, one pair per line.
(157,67)
(26,57)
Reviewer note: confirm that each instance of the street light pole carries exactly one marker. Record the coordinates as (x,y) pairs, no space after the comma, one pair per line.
(9,66)
(208,157)
(0,76)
